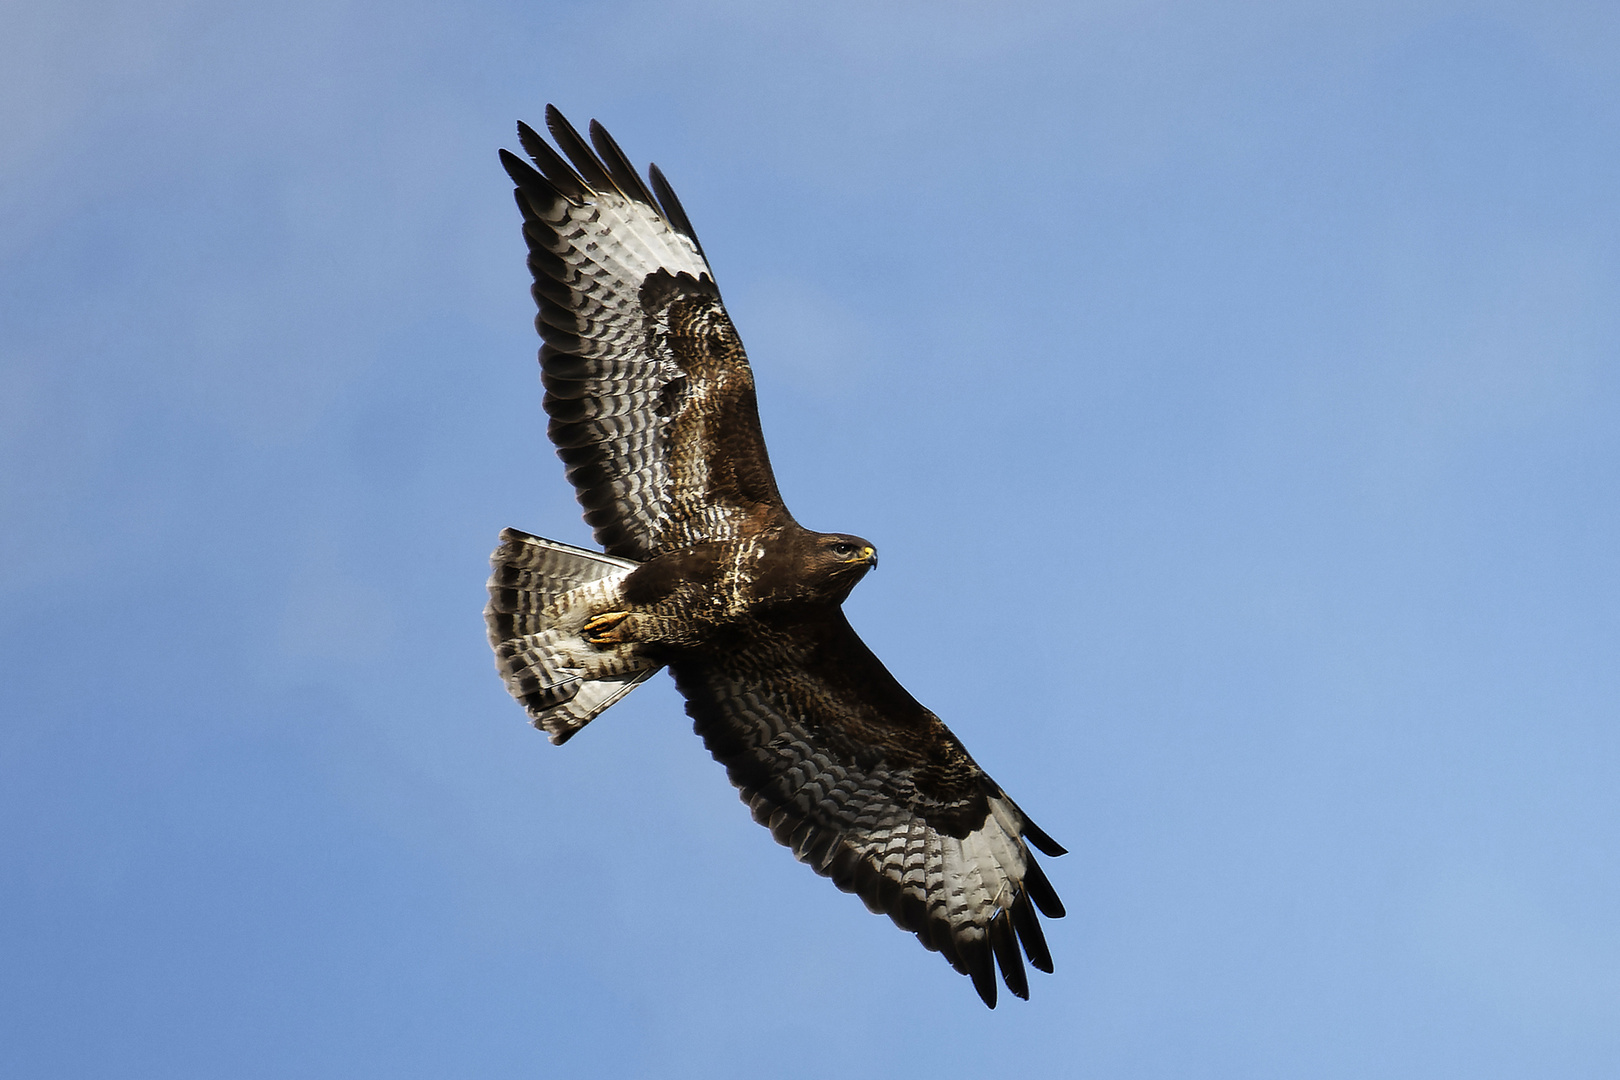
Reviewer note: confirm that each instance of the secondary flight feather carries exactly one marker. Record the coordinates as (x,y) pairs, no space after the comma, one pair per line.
(705,572)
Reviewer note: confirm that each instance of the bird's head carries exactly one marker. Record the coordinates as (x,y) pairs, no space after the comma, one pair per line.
(836,561)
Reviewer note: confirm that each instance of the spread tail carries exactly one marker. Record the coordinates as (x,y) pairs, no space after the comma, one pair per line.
(540,594)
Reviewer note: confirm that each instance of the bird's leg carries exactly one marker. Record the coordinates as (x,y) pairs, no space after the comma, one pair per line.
(607,628)
(647,628)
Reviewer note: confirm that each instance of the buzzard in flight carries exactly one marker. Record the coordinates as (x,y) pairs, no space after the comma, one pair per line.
(705,572)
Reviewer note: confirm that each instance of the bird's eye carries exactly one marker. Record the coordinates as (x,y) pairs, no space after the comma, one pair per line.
(842,550)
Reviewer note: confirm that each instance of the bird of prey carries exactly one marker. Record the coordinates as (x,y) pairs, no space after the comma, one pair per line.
(705,572)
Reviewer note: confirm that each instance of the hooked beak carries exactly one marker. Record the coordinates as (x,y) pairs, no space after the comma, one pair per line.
(869,556)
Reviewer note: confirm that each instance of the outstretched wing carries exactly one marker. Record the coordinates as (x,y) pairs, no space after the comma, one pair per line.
(649,391)
(871,790)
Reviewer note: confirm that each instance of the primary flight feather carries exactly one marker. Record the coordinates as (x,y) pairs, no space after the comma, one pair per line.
(705,572)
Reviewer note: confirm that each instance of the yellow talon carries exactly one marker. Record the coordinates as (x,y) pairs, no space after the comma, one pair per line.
(603,629)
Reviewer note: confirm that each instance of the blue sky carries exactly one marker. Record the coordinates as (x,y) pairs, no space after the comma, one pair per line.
(1231,390)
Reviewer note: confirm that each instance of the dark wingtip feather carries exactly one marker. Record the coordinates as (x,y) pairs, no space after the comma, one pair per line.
(1004,942)
(534,191)
(551,164)
(1040,890)
(1031,934)
(981,965)
(670,202)
(519,170)
(1043,843)
(529,138)
(578,151)
(674,212)
(618,166)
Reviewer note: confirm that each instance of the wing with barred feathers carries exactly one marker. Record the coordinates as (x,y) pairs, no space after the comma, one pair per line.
(648,388)
(870,789)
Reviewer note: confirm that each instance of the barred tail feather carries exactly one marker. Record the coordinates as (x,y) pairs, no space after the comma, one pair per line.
(540,594)
(558,697)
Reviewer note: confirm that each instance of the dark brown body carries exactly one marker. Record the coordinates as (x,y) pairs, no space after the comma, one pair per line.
(717,596)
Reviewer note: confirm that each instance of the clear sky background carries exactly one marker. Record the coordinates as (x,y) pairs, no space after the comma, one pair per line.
(1231,389)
